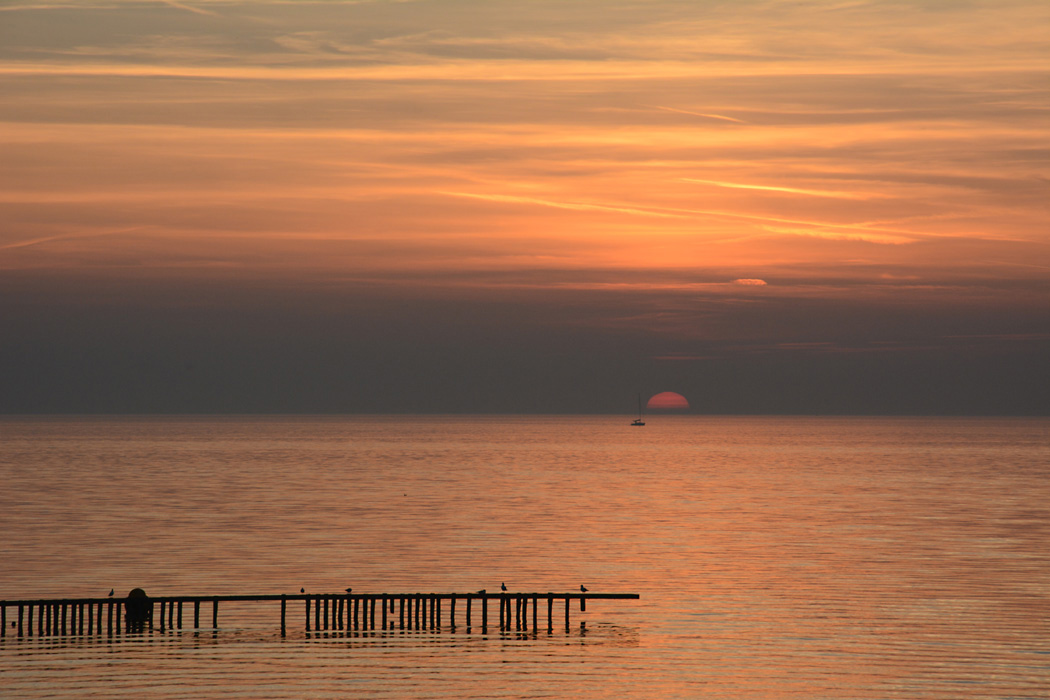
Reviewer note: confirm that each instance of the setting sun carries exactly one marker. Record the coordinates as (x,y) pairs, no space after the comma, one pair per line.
(667,401)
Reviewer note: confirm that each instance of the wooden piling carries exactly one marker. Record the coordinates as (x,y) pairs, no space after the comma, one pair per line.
(566,613)
(215,614)
(452,612)
(470,599)
(484,613)
(384,610)
(284,607)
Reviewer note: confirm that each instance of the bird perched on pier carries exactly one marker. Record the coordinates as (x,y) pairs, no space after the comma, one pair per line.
(503,587)
(582,589)
(110,592)
(349,589)
(481,592)
(302,590)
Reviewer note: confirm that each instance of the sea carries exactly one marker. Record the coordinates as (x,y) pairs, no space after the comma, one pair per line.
(774,557)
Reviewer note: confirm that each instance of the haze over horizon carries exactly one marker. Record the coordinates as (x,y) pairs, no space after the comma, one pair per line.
(456,206)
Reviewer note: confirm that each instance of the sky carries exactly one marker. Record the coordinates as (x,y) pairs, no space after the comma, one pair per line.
(467,206)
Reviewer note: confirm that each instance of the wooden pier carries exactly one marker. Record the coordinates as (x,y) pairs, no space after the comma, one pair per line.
(323,612)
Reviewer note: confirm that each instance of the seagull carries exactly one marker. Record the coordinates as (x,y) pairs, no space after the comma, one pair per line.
(349,589)
(582,589)
(503,587)
(302,590)
(481,592)
(110,592)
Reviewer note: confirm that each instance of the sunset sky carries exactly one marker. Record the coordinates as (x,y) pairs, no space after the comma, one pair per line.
(531,206)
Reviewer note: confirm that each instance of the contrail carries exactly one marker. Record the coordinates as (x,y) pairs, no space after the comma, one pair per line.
(64,236)
(771,188)
(701,114)
(190,8)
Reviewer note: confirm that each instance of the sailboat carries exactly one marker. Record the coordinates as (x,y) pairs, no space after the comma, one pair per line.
(638,420)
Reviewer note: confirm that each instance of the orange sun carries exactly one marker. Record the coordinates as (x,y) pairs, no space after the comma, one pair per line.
(667,401)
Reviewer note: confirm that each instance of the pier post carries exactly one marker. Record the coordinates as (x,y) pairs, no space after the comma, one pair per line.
(452,612)
(435,611)
(30,619)
(109,619)
(91,618)
(196,614)
(339,615)
(180,615)
(21,631)
(3,619)
(215,613)
(307,599)
(325,615)
(372,612)
(470,599)
(317,613)
(484,613)
(566,614)
(284,607)
(401,612)
(535,605)
(384,610)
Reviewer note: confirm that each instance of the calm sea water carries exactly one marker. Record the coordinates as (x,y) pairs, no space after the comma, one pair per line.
(775,557)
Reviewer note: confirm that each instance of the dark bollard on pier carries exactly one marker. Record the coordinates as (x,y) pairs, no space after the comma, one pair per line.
(325,614)
(138,611)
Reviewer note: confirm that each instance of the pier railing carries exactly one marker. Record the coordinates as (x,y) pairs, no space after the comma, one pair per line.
(321,612)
